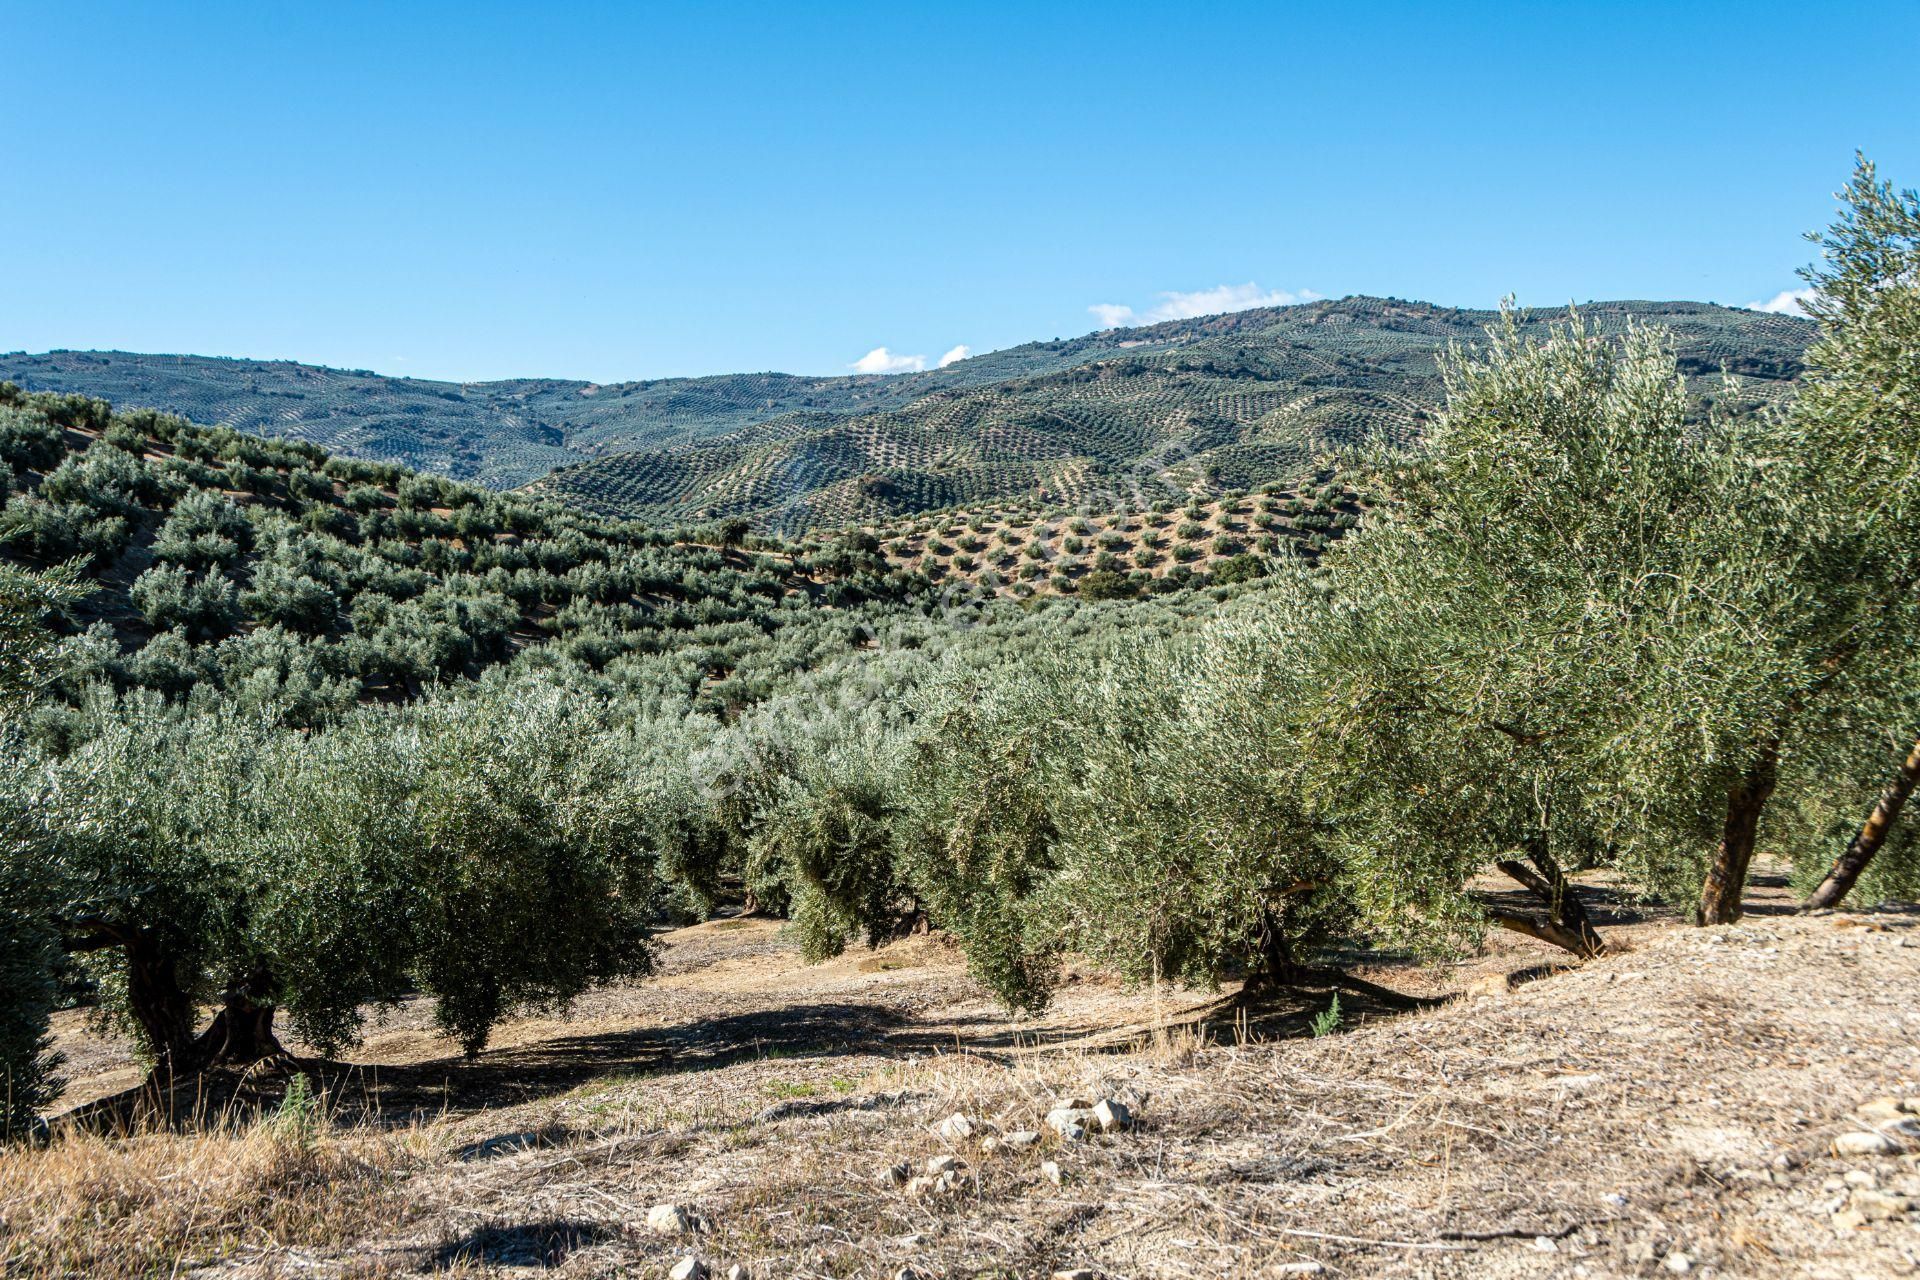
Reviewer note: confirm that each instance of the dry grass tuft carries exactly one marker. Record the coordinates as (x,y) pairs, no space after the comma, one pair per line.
(160,1202)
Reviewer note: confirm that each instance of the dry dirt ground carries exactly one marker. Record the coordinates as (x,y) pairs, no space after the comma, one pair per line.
(1669,1108)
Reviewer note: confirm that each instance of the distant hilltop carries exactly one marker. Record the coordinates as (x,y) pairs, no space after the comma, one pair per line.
(1202,405)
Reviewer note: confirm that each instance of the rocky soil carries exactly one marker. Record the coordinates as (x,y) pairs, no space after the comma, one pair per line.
(1738,1101)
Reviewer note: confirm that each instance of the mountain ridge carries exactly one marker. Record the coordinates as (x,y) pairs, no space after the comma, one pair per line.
(1226,400)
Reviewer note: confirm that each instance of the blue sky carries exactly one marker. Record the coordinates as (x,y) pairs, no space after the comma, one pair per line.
(481,191)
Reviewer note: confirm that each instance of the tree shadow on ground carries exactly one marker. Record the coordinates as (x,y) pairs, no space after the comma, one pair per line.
(524,1073)
(401,1093)
(545,1243)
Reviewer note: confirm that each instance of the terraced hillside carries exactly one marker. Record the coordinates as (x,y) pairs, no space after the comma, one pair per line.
(1022,550)
(1131,415)
(498,434)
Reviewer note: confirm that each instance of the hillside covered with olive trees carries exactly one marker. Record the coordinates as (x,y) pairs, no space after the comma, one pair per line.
(1161,411)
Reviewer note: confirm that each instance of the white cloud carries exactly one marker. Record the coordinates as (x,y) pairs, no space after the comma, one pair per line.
(1788,302)
(881,360)
(956,355)
(1176,305)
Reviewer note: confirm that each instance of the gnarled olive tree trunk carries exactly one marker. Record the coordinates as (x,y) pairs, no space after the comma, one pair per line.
(163,1008)
(1726,881)
(1564,921)
(1866,842)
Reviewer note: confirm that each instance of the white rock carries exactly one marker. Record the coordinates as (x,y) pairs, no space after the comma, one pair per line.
(896,1175)
(669,1220)
(1864,1142)
(1878,1206)
(990,1144)
(1678,1263)
(917,1187)
(957,1127)
(1849,1220)
(1070,1122)
(1051,1172)
(938,1165)
(688,1268)
(1071,1102)
(1076,1273)
(1880,1110)
(1860,1178)
(738,1272)
(1111,1115)
(1020,1140)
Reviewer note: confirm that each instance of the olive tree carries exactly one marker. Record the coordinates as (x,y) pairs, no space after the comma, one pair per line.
(1186,845)
(485,848)
(1857,420)
(1572,633)
(29,944)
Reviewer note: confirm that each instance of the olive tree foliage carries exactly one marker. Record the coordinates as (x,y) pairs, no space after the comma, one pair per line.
(1580,632)
(827,833)
(1186,845)
(1543,642)
(29,945)
(486,848)
(1857,423)
(980,824)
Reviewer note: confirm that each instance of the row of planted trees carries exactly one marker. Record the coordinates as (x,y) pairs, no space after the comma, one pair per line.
(1583,627)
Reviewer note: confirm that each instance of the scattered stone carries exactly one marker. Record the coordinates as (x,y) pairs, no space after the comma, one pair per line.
(1545,1244)
(1860,1178)
(1020,1140)
(670,1220)
(1678,1263)
(1881,1111)
(1076,1273)
(688,1268)
(1911,1106)
(1865,1142)
(1788,1161)
(738,1272)
(906,1273)
(938,1165)
(917,1187)
(1849,1220)
(1070,1122)
(1878,1206)
(1112,1115)
(1071,1103)
(1050,1170)
(895,1175)
(989,1144)
(957,1127)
